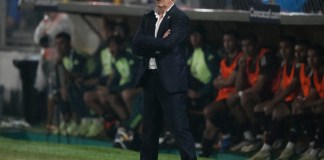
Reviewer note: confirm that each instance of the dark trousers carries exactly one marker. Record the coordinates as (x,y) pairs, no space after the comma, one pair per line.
(158,103)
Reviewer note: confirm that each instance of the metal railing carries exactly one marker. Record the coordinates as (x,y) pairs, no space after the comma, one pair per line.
(309,6)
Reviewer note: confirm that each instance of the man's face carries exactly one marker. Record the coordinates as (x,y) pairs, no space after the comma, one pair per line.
(300,53)
(163,3)
(229,43)
(114,48)
(313,58)
(62,46)
(108,32)
(286,50)
(195,39)
(248,47)
(51,15)
(119,31)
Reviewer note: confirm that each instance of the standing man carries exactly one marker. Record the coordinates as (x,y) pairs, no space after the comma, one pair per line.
(163,75)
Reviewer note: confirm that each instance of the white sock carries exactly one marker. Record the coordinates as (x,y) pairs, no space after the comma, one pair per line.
(121,130)
(226,136)
(313,152)
(311,144)
(248,135)
(260,136)
(290,145)
(265,147)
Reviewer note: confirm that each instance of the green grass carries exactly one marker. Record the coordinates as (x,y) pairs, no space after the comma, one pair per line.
(27,150)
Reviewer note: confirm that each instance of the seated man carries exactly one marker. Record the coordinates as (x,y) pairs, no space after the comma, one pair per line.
(99,67)
(276,110)
(315,57)
(254,73)
(305,70)
(72,63)
(308,107)
(93,82)
(96,87)
(203,64)
(218,112)
(121,79)
(121,91)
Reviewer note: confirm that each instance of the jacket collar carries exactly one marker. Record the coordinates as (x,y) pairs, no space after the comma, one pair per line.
(157,14)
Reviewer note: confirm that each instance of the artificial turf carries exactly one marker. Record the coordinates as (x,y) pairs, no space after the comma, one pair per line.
(28,150)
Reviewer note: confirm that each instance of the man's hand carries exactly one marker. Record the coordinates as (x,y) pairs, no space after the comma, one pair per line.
(64,94)
(167,33)
(298,105)
(216,82)
(193,94)
(268,108)
(102,92)
(78,82)
(242,62)
(90,82)
(233,100)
